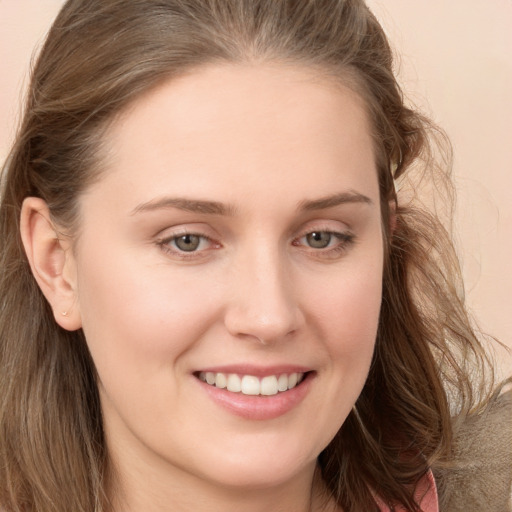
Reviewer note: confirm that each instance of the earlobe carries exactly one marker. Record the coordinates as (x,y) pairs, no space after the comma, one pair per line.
(51,261)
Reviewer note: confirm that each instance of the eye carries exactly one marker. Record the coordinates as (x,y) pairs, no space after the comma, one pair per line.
(188,242)
(319,239)
(325,243)
(183,245)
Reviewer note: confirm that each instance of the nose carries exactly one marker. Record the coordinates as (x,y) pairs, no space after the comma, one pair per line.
(263,304)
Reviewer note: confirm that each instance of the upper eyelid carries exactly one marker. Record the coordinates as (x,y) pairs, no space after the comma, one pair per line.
(197,229)
(324,226)
(341,235)
(330,225)
(326,223)
(170,233)
(175,236)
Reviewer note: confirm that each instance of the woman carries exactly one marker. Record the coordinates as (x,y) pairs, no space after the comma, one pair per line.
(230,307)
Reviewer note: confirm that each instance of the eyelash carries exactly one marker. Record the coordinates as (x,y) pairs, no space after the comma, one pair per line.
(165,245)
(344,241)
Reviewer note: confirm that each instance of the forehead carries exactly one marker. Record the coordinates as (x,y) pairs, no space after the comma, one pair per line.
(222,125)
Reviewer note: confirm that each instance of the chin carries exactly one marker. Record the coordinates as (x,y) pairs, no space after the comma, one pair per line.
(247,477)
(259,468)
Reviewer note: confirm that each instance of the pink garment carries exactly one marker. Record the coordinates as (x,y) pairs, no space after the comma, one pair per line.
(426,494)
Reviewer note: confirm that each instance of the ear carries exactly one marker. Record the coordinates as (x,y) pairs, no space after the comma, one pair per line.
(52,262)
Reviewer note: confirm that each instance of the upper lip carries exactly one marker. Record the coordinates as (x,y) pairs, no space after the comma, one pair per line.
(257,371)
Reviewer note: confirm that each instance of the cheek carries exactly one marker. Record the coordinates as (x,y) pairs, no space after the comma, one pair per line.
(134,313)
(348,311)
(345,317)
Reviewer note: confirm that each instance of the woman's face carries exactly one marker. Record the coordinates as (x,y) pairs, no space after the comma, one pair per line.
(235,237)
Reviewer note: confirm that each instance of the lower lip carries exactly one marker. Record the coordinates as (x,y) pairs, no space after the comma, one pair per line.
(259,407)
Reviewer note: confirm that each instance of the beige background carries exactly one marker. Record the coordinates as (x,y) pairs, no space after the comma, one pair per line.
(455,63)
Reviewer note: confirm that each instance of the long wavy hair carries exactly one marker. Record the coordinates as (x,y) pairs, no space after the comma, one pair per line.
(99,56)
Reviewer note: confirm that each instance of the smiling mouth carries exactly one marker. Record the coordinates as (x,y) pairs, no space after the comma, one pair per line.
(251,385)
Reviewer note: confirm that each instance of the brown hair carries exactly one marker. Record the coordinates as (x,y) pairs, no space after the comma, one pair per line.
(99,56)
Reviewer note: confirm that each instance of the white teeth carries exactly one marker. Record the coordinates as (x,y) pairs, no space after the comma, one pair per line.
(282,382)
(221,381)
(234,383)
(269,385)
(251,385)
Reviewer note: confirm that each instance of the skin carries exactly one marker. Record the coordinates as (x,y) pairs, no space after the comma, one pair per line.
(268,143)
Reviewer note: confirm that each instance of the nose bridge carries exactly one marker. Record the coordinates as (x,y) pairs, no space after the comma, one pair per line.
(263,305)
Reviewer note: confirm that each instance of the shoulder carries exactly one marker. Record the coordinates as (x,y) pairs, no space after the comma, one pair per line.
(480,478)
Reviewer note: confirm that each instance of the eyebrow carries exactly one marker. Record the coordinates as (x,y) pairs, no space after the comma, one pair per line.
(217,208)
(334,200)
(188,205)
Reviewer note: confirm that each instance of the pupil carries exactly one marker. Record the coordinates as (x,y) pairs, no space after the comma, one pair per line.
(319,239)
(188,242)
